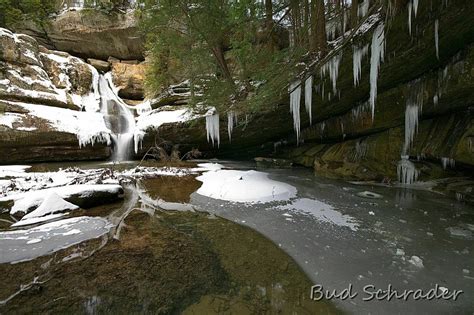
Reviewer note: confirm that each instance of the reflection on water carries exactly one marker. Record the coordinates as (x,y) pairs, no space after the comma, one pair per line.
(155,261)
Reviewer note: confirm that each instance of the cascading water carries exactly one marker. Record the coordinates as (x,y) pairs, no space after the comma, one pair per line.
(118,118)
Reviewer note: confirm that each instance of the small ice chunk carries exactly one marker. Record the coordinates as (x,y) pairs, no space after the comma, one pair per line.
(370,195)
(400,252)
(416,261)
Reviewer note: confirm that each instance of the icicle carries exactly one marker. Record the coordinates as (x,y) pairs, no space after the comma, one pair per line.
(377,56)
(332,66)
(406,171)
(413,110)
(308,97)
(415,7)
(437,38)
(411,125)
(295,101)
(231,121)
(410,8)
(358,54)
(363,8)
(212,127)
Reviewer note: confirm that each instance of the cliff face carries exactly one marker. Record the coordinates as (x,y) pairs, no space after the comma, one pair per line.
(42,97)
(90,34)
(344,140)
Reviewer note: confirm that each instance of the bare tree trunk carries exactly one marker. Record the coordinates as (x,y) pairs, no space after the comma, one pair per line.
(354,11)
(321,38)
(306,24)
(296,15)
(218,53)
(269,14)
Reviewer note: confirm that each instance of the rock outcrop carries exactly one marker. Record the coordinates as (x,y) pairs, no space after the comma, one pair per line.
(90,33)
(129,78)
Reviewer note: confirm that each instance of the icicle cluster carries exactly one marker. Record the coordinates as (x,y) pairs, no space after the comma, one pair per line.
(212,127)
(363,8)
(295,101)
(308,97)
(448,162)
(358,111)
(231,122)
(358,54)
(406,171)
(412,7)
(332,66)
(377,56)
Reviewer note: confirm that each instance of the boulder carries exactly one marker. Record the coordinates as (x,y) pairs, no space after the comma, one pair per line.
(129,79)
(100,65)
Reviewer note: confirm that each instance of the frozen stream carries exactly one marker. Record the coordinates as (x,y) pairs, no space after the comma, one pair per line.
(339,237)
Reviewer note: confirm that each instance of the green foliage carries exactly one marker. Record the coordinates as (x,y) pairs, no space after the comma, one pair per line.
(14,11)
(221,46)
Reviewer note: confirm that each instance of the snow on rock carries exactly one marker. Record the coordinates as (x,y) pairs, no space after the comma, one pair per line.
(152,120)
(244,186)
(89,127)
(13,170)
(25,202)
(322,212)
(49,238)
(8,119)
(51,204)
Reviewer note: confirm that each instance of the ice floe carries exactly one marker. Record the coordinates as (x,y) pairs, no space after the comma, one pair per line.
(321,211)
(49,238)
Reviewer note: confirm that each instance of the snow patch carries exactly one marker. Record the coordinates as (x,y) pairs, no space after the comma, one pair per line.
(244,186)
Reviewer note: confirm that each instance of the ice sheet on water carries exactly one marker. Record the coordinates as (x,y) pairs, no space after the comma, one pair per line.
(321,211)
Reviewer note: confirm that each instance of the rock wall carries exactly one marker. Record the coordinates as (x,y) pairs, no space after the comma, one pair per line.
(344,141)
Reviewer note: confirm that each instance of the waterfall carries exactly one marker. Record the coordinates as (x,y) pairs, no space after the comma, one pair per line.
(118,118)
